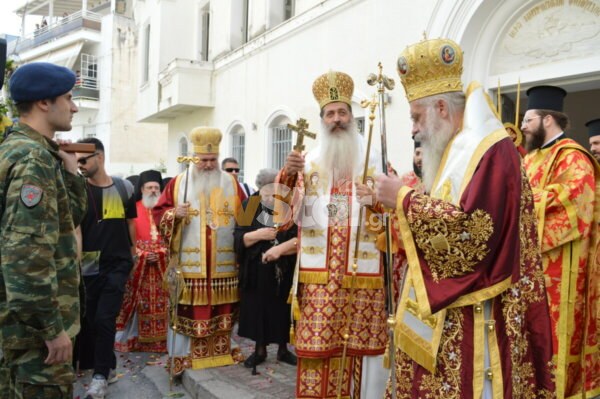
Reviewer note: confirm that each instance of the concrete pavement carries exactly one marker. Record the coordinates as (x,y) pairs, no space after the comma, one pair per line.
(144,376)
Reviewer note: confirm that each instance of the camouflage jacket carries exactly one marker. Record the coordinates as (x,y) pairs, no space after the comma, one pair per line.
(40,202)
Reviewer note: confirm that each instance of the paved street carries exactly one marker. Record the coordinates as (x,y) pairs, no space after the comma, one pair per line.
(143,375)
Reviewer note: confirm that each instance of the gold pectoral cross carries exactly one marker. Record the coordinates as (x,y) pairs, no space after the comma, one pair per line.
(301,129)
(225,214)
(153,229)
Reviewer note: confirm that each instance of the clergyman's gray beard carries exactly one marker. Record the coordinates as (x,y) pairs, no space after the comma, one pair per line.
(434,140)
(340,151)
(204,181)
(149,200)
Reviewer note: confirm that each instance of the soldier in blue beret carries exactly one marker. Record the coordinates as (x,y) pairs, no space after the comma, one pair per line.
(42,198)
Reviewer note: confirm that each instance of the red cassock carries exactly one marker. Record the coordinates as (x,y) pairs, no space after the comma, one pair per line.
(144,294)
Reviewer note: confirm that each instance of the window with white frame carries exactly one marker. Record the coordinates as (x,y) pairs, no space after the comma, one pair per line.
(183,152)
(289,8)
(279,11)
(146,59)
(204,32)
(238,146)
(239,23)
(88,74)
(281,145)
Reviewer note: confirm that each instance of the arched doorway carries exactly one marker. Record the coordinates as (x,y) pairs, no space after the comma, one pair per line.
(554,42)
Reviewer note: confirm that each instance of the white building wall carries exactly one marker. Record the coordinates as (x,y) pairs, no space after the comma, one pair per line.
(272,75)
(105,76)
(134,147)
(269,78)
(275,76)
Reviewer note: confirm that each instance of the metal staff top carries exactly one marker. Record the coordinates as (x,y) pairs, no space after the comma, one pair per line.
(187,160)
(382,82)
(301,128)
(372,104)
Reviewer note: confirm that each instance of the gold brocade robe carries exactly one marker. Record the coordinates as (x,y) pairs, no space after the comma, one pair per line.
(565,180)
(327,216)
(204,316)
(472,317)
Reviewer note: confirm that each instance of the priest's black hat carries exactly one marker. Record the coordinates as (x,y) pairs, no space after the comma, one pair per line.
(593,127)
(133,179)
(145,177)
(546,97)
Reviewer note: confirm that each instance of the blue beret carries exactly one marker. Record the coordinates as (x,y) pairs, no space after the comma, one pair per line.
(39,81)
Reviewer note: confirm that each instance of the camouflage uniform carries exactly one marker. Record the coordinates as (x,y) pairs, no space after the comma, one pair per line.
(39,295)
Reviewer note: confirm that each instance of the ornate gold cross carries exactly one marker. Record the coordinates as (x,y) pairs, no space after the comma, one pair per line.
(301,129)
(226,213)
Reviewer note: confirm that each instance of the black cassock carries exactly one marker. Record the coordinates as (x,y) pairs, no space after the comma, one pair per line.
(264,311)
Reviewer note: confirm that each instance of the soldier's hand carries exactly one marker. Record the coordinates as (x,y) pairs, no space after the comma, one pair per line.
(294,163)
(387,188)
(365,194)
(60,349)
(266,234)
(182,210)
(69,159)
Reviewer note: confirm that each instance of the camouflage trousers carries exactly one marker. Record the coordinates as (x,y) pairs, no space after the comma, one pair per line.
(23,375)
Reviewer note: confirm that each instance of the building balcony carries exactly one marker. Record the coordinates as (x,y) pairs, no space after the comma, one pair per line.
(86,94)
(183,87)
(70,30)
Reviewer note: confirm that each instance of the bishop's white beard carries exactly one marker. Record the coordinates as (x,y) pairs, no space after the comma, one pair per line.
(340,151)
(433,138)
(149,200)
(204,181)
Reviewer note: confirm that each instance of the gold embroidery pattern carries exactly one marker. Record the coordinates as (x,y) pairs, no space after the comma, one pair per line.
(312,250)
(452,241)
(204,328)
(313,232)
(517,300)
(405,374)
(413,308)
(445,383)
(318,329)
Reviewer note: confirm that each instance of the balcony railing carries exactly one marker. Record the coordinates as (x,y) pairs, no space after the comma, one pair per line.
(86,88)
(66,25)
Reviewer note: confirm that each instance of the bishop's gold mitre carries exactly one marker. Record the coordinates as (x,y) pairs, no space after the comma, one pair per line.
(333,87)
(206,140)
(431,67)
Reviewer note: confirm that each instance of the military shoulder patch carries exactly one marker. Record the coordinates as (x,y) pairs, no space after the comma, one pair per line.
(31,195)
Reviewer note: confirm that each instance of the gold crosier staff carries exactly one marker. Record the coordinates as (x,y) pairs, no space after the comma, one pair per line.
(301,129)
(346,334)
(383,83)
(174,276)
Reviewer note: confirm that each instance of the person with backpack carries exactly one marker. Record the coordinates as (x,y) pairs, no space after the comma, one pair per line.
(108,250)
